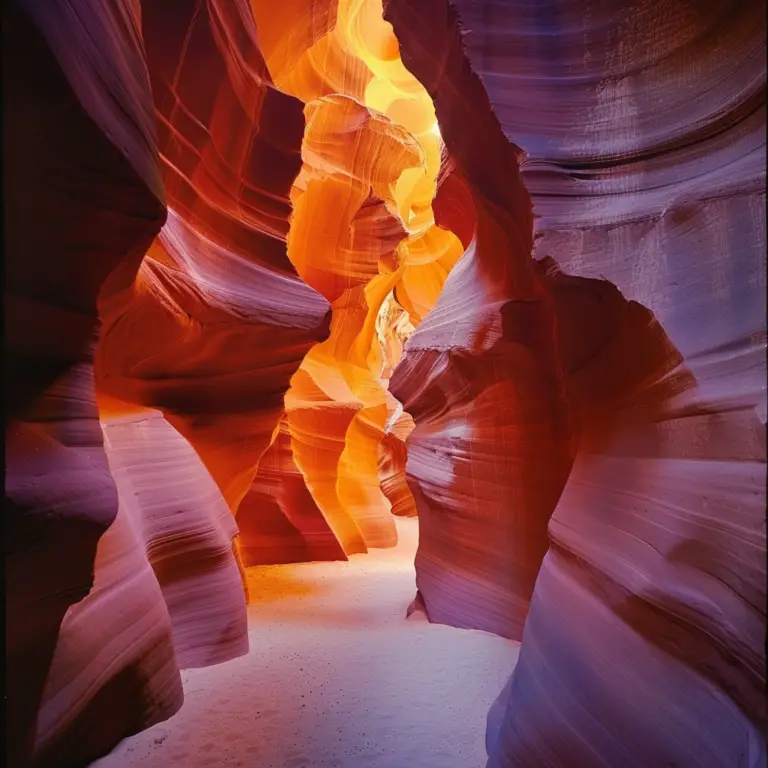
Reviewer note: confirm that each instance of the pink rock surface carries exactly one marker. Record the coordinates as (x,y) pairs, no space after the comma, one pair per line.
(185,529)
(204,341)
(655,579)
(163,585)
(77,205)
(227,334)
(584,434)
(645,640)
(480,376)
(114,671)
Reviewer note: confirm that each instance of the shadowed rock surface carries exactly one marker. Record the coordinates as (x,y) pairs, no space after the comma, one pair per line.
(277,272)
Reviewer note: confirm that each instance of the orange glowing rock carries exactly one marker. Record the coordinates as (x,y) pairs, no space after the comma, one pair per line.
(344,239)
(278,519)
(341,320)
(392,461)
(429,259)
(393,327)
(362,231)
(345,219)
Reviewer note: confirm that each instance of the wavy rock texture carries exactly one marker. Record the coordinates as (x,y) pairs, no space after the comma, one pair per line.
(394,328)
(657,565)
(489,454)
(114,671)
(339,378)
(363,230)
(393,456)
(177,353)
(77,205)
(217,285)
(480,376)
(179,336)
(273,349)
(645,133)
(279,520)
(210,311)
(212,328)
(167,595)
(186,530)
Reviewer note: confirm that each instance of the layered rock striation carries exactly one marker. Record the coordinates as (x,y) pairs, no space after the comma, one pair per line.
(481,375)
(78,206)
(120,564)
(277,272)
(645,160)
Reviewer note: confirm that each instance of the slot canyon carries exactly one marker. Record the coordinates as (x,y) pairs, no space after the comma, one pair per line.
(385,383)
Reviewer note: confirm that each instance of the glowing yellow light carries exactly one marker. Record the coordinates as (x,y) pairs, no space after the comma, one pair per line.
(435,130)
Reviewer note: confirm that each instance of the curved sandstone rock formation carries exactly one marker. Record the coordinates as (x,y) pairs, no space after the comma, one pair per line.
(162,584)
(363,231)
(278,271)
(392,461)
(184,526)
(197,349)
(353,158)
(227,335)
(655,576)
(230,319)
(481,376)
(279,521)
(645,639)
(77,205)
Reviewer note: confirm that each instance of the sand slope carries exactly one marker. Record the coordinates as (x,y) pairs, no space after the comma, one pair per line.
(336,677)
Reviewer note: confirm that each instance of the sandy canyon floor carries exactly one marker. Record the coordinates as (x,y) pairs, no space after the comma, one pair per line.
(336,677)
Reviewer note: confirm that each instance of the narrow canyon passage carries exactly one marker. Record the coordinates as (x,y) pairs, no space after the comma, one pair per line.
(320,309)
(336,677)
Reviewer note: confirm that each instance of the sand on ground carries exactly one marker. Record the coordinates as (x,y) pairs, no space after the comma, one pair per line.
(336,676)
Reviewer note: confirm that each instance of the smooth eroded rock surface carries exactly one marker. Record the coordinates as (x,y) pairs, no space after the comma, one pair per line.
(78,204)
(281,273)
